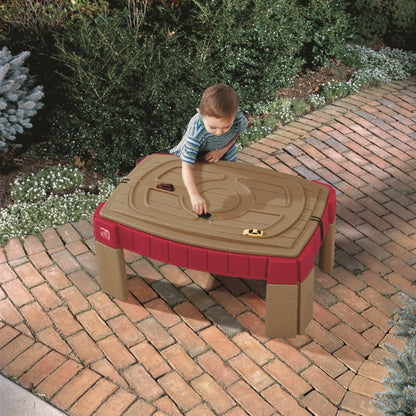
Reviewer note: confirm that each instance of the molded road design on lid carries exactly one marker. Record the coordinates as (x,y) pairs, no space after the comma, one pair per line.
(239,196)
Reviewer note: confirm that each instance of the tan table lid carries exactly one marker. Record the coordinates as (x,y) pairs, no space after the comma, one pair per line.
(239,197)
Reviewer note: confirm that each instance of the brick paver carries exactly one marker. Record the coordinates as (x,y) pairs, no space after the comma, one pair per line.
(189,343)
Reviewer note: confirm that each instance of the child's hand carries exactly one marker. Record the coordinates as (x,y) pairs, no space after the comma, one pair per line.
(199,205)
(214,156)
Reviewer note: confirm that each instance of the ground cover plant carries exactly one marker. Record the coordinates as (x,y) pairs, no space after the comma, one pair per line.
(53,196)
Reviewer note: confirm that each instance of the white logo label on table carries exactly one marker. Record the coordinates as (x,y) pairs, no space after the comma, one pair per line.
(104,233)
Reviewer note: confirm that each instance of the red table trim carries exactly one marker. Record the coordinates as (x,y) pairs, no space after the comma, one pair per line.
(276,270)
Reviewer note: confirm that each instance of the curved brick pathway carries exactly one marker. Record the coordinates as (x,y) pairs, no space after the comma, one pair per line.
(188,343)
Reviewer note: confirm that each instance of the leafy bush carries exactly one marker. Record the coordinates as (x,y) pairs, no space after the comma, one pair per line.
(19,100)
(394,21)
(39,16)
(329,26)
(131,80)
(253,46)
(128,94)
(132,92)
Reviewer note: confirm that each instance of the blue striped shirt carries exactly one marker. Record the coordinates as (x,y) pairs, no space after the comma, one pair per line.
(197,140)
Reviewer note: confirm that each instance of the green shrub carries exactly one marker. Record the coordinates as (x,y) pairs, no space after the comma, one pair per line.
(39,16)
(252,46)
(128,94)
(329,25)
(131,86)
(394,21)
(132,92)
(371,21)
(30,25)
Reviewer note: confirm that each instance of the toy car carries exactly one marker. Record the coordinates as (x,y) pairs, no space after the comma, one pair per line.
(166,186)
(253,232)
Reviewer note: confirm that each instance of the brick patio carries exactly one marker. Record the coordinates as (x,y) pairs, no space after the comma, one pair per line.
(190,343)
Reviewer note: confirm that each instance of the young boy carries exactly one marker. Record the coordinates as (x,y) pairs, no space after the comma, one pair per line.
(210,136)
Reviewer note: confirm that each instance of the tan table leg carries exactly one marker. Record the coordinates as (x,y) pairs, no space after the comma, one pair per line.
(289,308)
(112,271)
(326,253)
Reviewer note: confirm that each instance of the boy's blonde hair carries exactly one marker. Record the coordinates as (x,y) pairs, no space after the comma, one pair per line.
(219,101)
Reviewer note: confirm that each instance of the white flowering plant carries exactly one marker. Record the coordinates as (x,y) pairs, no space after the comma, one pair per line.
(378,67)
(338,89)
(316,100)
(372,68)
(41,201)
(38,186)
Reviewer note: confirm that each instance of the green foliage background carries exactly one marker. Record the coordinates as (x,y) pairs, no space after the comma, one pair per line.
(123,77)
(140,87)
(394,21)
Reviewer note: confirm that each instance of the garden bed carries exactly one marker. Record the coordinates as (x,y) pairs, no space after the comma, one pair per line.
(19,162)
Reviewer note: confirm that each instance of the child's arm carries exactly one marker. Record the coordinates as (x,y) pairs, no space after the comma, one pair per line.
(216,155)
(199,205)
